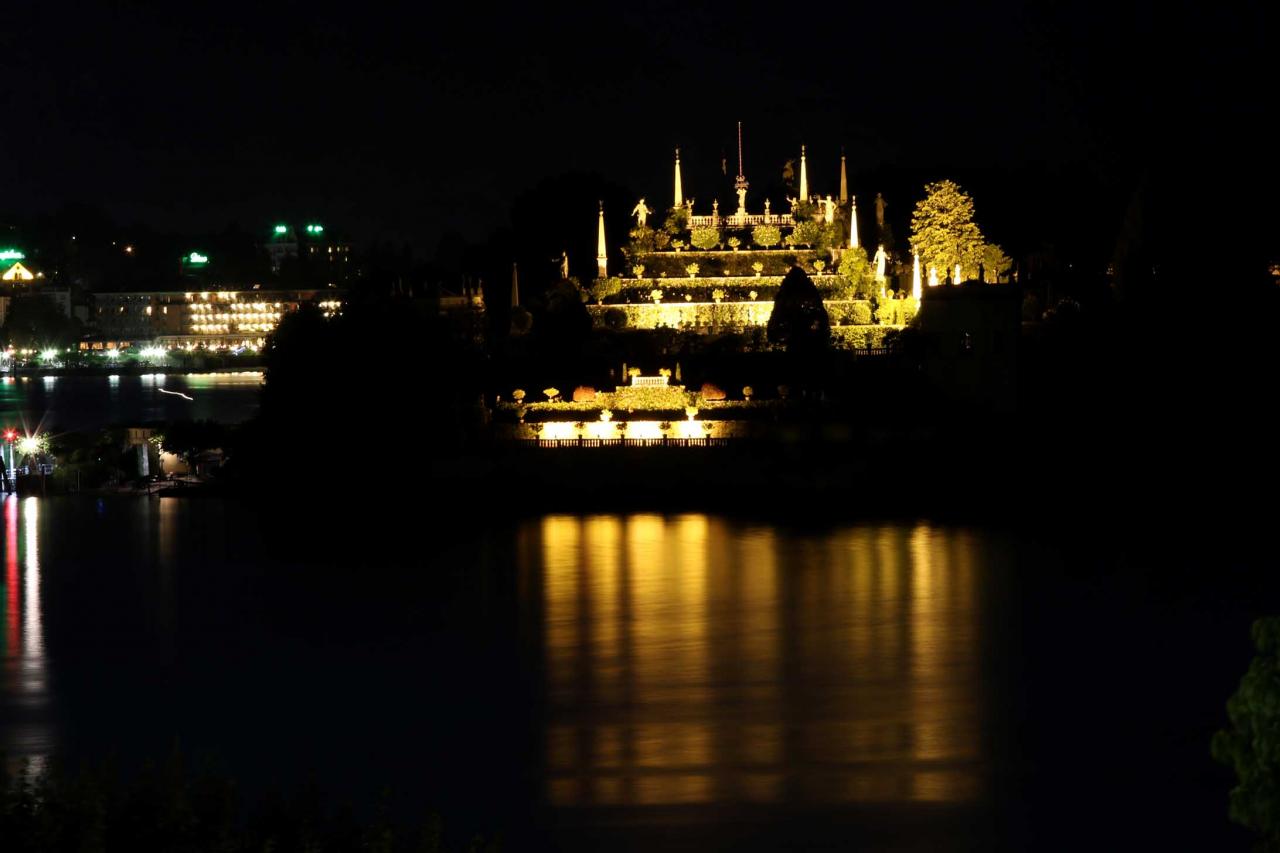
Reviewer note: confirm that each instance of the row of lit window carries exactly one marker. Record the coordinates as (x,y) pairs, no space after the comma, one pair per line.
(220,296)
(247,316)
(241,306)
(209,328)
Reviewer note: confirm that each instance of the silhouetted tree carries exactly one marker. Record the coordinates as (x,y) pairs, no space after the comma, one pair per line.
(37,321)
(799,320)
(1251,746)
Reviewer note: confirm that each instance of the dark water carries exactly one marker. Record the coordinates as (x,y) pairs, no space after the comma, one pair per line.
(640,681)
(94,402)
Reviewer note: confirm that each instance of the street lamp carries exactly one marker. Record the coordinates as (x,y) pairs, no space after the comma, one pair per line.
(10,435)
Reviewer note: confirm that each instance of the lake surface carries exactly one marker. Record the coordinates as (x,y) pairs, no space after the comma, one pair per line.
(630,681)
(93,402)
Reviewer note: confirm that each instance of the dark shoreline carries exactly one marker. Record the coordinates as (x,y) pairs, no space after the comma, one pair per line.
(133,370)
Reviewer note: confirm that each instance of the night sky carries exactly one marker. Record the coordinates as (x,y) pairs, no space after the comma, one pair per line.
(400,123)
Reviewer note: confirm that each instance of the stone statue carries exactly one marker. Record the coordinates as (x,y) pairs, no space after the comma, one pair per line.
(742,199)
(828,210)
(715,207)
(881,257)
(564,265)
(880,211)
(766,208)
(641,213)
(689,204)
(792,201)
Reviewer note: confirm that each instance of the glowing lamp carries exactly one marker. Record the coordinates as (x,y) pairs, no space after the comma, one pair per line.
(282,229)
(11,435)
(11,255)
(49,354)
(29,445)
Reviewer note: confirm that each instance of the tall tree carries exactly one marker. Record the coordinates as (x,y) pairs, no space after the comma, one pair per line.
(943,230)
(1251,746)
(799,320)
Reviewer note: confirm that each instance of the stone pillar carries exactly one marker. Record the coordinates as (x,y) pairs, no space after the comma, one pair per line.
(602,255)
(679,195)
(804,177)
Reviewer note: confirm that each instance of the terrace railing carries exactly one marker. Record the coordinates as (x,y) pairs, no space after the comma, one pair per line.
(735,221)
(625,442)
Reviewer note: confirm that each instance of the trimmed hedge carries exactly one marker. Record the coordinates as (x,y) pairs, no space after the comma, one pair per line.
(861,337)
(855,312)
(718,263)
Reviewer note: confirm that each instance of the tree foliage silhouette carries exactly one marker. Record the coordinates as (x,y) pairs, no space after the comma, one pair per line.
(1251,745)
(943,230)
(799,320)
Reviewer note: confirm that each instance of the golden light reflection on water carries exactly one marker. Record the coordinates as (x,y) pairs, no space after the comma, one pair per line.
(690,660)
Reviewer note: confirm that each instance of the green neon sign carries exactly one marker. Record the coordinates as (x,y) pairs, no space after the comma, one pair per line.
(315,229)
(196,259)
(11,255)
(282,229)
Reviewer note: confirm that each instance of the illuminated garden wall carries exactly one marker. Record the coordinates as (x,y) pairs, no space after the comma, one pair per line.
(713,316)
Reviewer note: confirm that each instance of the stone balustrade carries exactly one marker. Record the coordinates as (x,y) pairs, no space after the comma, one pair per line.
(743,221)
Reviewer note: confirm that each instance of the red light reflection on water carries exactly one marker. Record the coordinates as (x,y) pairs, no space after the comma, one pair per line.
(11,636)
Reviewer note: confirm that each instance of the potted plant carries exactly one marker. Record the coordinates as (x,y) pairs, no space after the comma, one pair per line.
(677,244)
(655,295)
(717,294)
(748,392)
(753,295)
(692,270)
(734,243)
(638,269)
(758,267)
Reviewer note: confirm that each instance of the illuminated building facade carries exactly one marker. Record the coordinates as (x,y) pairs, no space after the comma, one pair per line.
(313,243)
(210,319)
(704,267)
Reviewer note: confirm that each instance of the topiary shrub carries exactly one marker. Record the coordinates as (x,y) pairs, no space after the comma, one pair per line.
(584,394)
(705,238)
(766,236)
(603,288)
(806,234)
